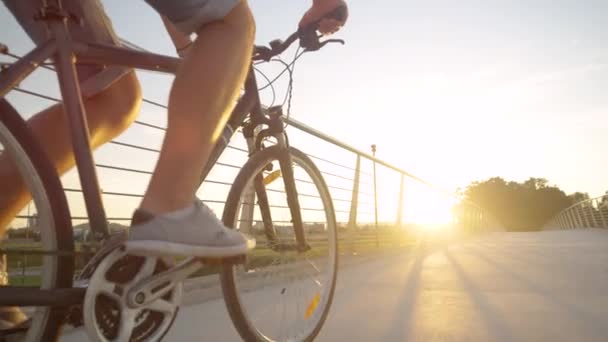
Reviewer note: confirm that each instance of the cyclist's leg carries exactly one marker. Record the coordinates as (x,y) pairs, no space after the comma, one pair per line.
(112,98)
(204,91)
(202,96)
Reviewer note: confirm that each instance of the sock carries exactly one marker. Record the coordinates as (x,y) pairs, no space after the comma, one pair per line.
(141,216)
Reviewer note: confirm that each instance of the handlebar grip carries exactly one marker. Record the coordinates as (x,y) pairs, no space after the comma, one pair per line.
(308,35)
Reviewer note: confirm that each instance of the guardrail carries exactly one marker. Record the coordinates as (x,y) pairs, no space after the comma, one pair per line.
(377,204)
(590,213)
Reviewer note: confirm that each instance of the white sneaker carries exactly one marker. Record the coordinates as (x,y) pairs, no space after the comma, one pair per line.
(199,234)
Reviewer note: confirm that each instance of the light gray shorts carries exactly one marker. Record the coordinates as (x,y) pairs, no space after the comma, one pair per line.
(187,15)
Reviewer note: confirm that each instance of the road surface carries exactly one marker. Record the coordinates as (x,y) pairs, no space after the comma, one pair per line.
(546,286)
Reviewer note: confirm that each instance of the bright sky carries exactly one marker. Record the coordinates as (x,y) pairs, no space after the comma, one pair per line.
(452,91)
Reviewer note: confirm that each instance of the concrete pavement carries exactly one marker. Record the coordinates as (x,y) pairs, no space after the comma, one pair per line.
(545,286)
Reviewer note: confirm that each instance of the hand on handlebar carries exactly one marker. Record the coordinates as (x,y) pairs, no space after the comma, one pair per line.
(327,16)
(326,20)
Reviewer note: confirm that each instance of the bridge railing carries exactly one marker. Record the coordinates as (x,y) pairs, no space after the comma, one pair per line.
(377,203)
(590,213)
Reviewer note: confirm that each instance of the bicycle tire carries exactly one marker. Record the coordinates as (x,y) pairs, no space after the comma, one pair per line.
(43,182)
(230,289)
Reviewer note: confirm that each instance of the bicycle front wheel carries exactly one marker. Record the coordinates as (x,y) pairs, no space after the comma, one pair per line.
(281,292)
(38,242)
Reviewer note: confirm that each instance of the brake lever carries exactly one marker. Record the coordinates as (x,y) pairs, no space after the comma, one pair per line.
(262,52)
(325,42)
(318,45)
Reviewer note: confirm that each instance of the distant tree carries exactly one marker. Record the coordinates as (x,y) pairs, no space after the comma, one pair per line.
(578,197)
(519,206)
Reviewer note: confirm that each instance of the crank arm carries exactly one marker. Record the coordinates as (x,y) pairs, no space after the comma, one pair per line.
(150,289)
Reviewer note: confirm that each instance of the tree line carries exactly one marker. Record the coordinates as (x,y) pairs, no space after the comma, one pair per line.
(523,206)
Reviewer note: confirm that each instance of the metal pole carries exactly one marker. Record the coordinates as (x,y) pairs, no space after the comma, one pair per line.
(354,205)
(375,195)
(586,214)
(592,213)
(570,221)
(602,218)
(400,207)
(354,202)
(582,223)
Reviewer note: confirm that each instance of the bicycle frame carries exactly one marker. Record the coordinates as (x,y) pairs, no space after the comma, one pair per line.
(65,51)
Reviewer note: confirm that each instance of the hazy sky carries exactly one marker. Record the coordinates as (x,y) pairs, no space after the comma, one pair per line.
(452,91)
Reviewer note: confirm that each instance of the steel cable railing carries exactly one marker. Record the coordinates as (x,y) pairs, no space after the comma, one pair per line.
(589,213)
(351,185)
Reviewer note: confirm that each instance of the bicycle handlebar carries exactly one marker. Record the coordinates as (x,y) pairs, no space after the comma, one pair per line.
(309,39)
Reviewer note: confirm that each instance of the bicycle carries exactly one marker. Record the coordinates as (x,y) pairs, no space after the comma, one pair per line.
(121,297)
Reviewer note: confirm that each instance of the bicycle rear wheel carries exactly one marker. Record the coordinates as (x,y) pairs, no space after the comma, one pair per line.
(43,224)
(280,294)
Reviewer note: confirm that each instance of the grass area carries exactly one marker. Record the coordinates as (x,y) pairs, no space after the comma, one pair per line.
(18,280)
(362,242)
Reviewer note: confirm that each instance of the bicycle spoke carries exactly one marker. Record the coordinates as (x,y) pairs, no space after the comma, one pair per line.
(314,276)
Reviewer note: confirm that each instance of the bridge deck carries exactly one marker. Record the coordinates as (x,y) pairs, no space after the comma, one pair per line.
(547,286)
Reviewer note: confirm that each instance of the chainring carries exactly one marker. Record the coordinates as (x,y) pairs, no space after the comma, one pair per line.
(103,310)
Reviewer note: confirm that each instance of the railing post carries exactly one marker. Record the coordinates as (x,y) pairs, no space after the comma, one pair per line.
(375,196)
(591,208)
(354,202)
(571,218)
(400,207)
(580,217)
(585,214)
(354,205)
(602,218)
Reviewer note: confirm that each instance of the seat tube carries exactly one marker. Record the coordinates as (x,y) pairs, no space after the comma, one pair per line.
(77,123)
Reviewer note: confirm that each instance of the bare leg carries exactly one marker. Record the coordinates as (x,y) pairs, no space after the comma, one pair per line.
(109,113)
(205,87)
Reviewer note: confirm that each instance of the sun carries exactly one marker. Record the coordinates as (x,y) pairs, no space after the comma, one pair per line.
(430,209)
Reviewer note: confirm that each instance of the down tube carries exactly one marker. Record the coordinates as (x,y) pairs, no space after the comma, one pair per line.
(242,108)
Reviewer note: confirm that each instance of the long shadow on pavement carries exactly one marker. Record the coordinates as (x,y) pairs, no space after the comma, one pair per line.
(590,321)
(492,319)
